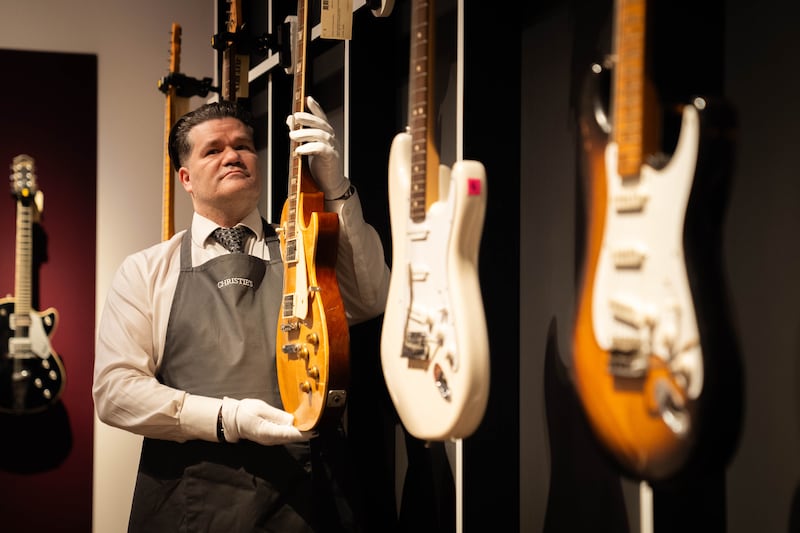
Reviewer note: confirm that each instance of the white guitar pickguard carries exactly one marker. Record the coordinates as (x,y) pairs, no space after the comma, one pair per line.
(434,343)
(641,290)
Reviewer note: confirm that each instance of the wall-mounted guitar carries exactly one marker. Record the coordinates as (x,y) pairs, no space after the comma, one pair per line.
(235,86)
(32,375)
(649,323)
(174,108)
(178,89)
(434,343)
(313,342)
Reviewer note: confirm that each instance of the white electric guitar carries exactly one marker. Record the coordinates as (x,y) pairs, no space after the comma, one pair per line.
(434,344)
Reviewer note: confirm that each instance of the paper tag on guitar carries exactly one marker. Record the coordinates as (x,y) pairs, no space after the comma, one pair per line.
(337,19)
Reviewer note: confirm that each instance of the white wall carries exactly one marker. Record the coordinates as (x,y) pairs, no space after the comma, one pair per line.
(131,42)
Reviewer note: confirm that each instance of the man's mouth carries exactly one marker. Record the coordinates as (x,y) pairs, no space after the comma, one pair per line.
(241,171)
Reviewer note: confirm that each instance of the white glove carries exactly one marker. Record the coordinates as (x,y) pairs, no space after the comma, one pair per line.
(316,138)
(258,421)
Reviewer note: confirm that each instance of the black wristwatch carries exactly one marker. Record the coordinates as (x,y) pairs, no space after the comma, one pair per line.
(350,192)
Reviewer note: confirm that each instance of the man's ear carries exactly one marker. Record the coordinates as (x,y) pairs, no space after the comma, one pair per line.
(183,175)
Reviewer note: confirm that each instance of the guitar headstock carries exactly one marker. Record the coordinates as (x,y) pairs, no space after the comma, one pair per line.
(23,178)
(234,11)
(176,34)
(235,55)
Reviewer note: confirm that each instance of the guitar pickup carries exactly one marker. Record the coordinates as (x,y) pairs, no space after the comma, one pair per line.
(626,345)
(630,202)
(20,348)
(418,235)
(291,251)
(627,312)
(288,310)
(19,320)
(419,272)
(628,258)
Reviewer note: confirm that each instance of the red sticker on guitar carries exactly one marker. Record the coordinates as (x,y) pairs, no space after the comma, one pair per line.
(473,186)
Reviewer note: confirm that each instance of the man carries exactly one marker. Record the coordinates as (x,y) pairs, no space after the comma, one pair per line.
(189,362)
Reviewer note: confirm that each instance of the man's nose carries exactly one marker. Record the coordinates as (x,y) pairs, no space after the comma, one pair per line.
(231,156)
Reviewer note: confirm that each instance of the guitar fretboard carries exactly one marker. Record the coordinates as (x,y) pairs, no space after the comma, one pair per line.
(23,185)
(628,98)
(424,159)
(22,274)
(296,162)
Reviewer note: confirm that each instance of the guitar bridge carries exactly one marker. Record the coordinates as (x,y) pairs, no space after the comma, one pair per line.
(414,346)
(627,360)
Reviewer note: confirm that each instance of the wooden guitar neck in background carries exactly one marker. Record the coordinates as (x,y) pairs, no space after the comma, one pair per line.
(172,110)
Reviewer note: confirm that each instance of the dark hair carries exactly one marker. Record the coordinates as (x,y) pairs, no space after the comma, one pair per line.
(178,144)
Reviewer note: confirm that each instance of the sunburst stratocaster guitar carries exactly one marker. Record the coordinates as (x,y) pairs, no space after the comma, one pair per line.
(646,331)
(313,338)
(434,343)
(31,373)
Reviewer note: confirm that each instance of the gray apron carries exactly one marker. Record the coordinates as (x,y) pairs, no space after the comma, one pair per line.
(220,342)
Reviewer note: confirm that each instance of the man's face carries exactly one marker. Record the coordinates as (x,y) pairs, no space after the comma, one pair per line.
(220,173)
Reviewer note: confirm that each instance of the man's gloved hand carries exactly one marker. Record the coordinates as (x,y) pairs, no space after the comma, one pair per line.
(316,138)
(258,421)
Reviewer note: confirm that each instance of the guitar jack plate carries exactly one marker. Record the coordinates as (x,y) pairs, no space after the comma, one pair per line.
(441,382)
(337,398)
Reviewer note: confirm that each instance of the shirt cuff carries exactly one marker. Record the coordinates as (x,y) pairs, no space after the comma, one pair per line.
(330,202)
(198,417)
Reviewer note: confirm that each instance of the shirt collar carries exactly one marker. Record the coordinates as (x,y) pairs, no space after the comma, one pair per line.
(202,228)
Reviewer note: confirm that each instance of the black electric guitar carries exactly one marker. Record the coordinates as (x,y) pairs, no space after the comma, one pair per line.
(652,346)
(32,375)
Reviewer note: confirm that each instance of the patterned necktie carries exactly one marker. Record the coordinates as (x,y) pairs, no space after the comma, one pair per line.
(231,238)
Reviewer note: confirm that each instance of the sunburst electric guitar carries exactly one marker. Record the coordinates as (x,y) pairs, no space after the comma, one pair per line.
(313,346)
(434,343)
(32,375)
(645,334)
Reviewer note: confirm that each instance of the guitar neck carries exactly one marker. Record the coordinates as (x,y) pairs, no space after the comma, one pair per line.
(296,166)
(170,116)
(425,157)
(629,85)
(22,274)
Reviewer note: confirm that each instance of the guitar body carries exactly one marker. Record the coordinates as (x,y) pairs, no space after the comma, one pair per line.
(313,353)
(31,374)
(649,328)
(434,343)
